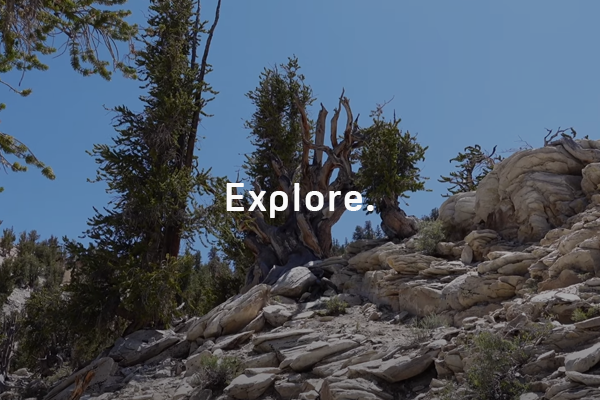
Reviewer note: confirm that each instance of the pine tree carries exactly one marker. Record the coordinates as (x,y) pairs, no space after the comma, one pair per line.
(474,165)
(130,270)
(389,170)
(29,29)
(276,125)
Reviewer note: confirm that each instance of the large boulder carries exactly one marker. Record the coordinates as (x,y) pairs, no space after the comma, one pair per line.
(249,387)
(470,289)
(458,213)
(142,345)
(534,191)
(294,283)
(231,316)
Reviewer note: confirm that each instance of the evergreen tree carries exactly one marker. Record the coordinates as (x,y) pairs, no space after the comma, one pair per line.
(29,29)
(389,170)
(367,232)
(276,133)
(130,269)
(276,126)
(474,165)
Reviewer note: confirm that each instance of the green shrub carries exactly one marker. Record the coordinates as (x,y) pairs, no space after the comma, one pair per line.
(216,372)
(335,306)
(493,372)
(581,314)
(430,234)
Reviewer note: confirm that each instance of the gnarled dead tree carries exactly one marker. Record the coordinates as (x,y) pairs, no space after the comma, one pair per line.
(306,234)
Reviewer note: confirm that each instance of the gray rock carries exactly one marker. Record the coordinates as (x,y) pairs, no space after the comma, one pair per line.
(582,361)
(249,387)
(294,283)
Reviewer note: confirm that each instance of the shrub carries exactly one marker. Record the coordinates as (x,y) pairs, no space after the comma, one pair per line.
(493,372)
(430,234)
(431,321)
(335,306)
(216,372)
(581,315)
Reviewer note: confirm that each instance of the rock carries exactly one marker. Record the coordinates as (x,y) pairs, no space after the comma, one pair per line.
(22,372)
(231,316)
(310,395)
(350,299)
(507,263)
(353,389)
(182,391)
(266,360)
(467,255)
(591,179)
(288,390)
(374,259)
(362,245)
(532,192)
(396,369)
(232,341)
(586,379)
(256,325)
(194,363)
(142,345)
(294,283)
(529,396)
(420,299)
(588,323)
(582,361)
(280,340)
(480,240)
(102,369)
(276,315)
(458,213)
(470,289)
(410,264)
(201,394)
(580,259)
(249,388)
(443,268)
(302,358)
(179,350)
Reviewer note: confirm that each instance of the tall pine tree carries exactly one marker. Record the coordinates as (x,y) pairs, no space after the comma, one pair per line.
(130,270)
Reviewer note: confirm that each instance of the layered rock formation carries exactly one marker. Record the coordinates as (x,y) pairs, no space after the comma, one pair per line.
(525,258)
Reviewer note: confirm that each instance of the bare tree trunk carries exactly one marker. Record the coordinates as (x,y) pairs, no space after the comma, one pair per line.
(187,143)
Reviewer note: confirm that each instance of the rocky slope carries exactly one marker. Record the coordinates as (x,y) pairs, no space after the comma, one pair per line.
(526,257)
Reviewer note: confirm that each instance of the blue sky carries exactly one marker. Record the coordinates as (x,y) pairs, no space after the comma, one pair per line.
(460,73)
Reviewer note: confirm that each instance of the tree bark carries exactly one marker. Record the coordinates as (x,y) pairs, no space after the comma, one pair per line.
(187,143)
(394,222)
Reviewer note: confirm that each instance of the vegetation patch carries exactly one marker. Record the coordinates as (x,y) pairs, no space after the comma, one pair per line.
(430,234)
(216,372)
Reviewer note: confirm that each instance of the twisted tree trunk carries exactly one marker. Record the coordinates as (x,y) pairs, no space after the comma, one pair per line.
(394,221)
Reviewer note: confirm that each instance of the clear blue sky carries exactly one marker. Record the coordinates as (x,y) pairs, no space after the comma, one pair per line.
(460,72)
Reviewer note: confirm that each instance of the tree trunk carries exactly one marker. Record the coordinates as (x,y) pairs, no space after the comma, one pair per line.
(394,222)
(187,142)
